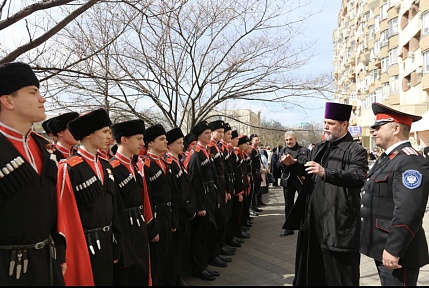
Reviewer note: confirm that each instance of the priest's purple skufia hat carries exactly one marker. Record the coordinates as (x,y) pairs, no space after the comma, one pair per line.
(338,111)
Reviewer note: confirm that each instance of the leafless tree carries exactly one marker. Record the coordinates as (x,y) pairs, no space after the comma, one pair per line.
(176,61)
(41,21)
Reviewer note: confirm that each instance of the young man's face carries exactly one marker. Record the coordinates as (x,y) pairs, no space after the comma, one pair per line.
(234,142)
(133,143)
(217,134)
(227,136)
(205,137)
(255,141)
(176,147)
(191,146)
(101,138)
(27,104)
(159,145)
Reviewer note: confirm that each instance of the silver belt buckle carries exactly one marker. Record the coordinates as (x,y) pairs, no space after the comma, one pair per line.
(106,228)
(39,245)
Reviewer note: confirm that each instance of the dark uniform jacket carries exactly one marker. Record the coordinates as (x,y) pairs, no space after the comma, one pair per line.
(393,205)
(28,215)
(159,186)
(290,179)
(97,203)
(136,248)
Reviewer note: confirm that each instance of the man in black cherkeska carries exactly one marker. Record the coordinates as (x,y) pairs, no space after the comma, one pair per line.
(204,229)
(157,171)
(129,138)
(185,200)
(28,175)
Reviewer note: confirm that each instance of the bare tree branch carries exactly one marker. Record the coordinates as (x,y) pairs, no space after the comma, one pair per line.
(43,38)
(42,5)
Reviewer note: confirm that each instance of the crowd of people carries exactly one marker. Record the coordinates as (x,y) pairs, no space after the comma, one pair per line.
(104,203)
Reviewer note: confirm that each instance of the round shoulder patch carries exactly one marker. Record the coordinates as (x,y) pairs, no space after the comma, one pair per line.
(412,179)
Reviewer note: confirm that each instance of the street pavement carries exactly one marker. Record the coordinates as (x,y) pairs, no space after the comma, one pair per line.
(266,259)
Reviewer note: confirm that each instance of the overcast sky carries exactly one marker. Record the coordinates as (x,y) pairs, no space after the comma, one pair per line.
(320,28)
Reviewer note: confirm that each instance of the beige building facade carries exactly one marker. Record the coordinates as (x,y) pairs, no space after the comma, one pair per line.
(381,54)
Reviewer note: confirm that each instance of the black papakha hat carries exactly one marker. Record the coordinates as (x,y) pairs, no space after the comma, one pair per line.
(338,111)
(218,124)
(226,127)
(128,128)
(16,75)
(243,139)
(174,134)
(234,134)
(188,140)
(253,136)
(59,123)
(154,132)
(46,127)
(200,128)
(88,123)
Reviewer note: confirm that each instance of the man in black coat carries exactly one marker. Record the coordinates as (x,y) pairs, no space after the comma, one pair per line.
(394,202)
(28,176)
(290,181)
(326,211)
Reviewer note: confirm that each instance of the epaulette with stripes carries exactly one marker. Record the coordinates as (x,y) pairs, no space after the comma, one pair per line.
(41,136)
(197,149)
(74,160)
(410,151)
(115,163)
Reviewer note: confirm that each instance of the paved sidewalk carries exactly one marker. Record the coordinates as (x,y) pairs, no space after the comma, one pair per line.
(266,259)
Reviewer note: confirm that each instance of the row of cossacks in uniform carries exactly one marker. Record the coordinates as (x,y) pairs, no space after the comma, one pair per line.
(74,213)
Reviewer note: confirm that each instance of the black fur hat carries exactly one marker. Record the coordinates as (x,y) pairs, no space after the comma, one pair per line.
(128,128)
(234,134)
(154,132)
(174,134)
(243,139)
(59,123)
(16,75)
(226,127)
(189,139)
(200,128)
(218,124)
(88,123)
(46,127)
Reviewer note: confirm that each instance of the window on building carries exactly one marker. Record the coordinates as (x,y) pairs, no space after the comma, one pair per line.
(371,32)
(377,23)
(392,27)
(383,39)
(426,61)
(374,75)
(394,84)
(384,64)
(376,47)
(383,11)
(385,91)
(393,56)
(425,23)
